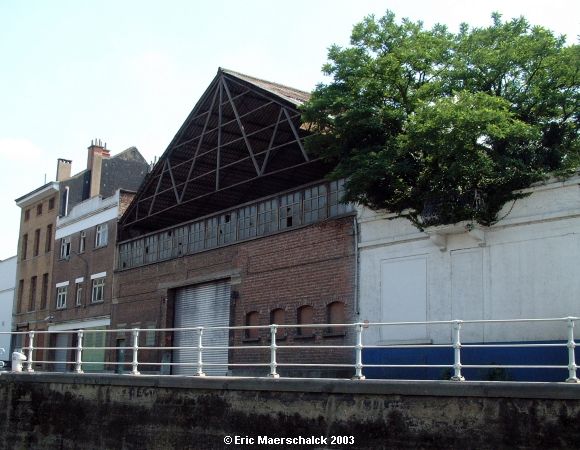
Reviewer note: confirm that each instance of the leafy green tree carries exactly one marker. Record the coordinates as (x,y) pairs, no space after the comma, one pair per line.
(443,127)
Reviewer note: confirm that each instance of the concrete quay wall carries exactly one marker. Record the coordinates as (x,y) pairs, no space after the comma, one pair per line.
(65,411)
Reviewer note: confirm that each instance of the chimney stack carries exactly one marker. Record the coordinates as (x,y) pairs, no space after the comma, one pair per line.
(97,152)
(96,148)
(63,169)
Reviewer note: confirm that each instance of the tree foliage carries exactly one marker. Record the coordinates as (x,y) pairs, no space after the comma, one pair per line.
(442,126)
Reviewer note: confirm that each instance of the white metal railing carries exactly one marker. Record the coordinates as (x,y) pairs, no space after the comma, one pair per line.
(568,343)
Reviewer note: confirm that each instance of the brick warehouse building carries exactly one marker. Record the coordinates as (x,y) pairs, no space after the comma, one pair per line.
(236,226)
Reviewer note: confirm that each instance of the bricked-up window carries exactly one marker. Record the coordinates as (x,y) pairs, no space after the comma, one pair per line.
(290,210)
(32,294)
(44,291)
(305,314)
(20,295)
(39,209)
(51,203)
(61,293)
(252,319)
(65,247)
(98,292)
(78,294)
(267,216)
(82,241)
(315,204)
(335,314)
(247,222)
(101,235)
(278,316)
(24,247)
(27,215)
(48,241)
(36,249)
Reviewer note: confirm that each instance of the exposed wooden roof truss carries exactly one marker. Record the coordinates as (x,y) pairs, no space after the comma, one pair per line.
(242,141)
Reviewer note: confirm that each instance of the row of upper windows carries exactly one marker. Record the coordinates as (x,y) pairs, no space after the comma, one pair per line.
(101,240)
(304,316)
(97,293)
(32,294)
(278,213)
(38,207)
(36,243)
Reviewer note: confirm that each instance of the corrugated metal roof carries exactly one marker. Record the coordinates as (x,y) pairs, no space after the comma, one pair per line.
(291,94)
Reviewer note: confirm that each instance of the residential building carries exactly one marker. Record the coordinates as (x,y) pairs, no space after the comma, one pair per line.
(35,294)
(525,266)
(237,226)
(83,263)
(7,286)
(39,210)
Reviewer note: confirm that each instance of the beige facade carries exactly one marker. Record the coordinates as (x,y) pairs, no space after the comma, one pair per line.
(39,210)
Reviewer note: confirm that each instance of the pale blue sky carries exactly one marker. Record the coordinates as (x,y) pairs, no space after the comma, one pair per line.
(129,72)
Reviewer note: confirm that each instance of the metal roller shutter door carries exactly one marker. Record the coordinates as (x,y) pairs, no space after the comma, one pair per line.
(203,305)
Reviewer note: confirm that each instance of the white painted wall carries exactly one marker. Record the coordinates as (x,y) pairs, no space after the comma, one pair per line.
(7,286)
(525,266)
(88,214)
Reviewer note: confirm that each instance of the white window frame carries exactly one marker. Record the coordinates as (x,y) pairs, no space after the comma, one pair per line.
(78,293)
(61,294)
(82,241)
(98,290)
(101,235)
(65,247)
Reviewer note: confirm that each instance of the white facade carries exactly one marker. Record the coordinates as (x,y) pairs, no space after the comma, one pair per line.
(525,266)
(88,214)
(7,286)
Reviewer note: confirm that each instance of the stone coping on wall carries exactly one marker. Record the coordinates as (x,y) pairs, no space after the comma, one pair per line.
(490,389)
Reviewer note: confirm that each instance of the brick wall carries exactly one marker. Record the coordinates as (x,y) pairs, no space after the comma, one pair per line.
(125,199)
(24,317)
(313,265)
(91,261)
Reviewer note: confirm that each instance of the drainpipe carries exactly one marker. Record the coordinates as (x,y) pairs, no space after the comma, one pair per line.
(356,265)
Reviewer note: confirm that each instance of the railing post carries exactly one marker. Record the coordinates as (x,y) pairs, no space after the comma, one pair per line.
(273,347)
(200,372)
(135,363)
(358,366)
(30,350)
(79,361)
(457,352)
(572,378)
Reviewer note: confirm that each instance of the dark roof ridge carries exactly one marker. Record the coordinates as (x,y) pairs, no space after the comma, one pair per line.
(289,92)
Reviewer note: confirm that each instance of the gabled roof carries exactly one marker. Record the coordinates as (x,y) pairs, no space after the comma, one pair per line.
(291,94)
(242,141)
